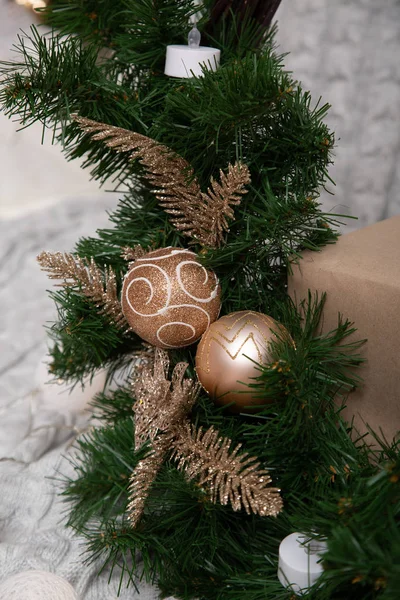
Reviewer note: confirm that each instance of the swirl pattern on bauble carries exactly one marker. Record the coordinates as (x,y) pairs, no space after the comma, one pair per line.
(169,299)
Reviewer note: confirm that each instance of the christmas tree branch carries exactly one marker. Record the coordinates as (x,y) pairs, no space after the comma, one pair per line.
(136,31)
(53,75)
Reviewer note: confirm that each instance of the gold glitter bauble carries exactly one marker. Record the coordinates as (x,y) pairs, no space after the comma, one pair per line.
(222,359)
(169,299)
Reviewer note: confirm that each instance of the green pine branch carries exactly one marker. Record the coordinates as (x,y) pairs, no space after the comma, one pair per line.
(250,110)
(85,340)
(328,482)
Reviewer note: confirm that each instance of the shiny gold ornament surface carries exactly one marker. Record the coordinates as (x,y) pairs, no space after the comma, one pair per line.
(169,299)
(222,359)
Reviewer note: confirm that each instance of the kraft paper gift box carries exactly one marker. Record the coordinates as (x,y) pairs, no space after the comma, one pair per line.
(361,276)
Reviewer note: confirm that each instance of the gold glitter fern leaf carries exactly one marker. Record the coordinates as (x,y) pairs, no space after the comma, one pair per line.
(76,271)
(161,421)
(228,476)
(207,220)
(201,216)
(143,476)
(161,405)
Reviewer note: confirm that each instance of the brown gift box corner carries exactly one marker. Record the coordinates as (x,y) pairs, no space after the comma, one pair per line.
(361,276)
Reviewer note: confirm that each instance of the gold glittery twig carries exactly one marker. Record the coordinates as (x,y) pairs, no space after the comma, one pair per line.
(207,220)
(73,270)
(131,254)
(201,216)
(143,476)
(228,475)
(160,406)
(161,410)
(143,359)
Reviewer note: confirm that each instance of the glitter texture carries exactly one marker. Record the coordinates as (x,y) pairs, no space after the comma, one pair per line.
(92,283)
(201,216)
(161,405)
(229,477)
(161,410)
(169,299)
(131,254)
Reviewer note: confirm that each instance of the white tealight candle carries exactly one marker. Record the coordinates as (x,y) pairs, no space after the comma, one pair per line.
(299,562)
(189,61)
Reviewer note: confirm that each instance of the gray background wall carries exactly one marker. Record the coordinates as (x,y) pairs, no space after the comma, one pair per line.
(348,52)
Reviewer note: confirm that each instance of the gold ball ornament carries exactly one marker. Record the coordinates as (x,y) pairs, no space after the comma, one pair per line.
(222,359)
(169,299)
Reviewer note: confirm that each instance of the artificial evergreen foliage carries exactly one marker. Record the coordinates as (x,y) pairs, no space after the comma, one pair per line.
(105,61)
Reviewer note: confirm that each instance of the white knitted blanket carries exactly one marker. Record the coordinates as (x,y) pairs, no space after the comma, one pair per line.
(347,52)
(36,435)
